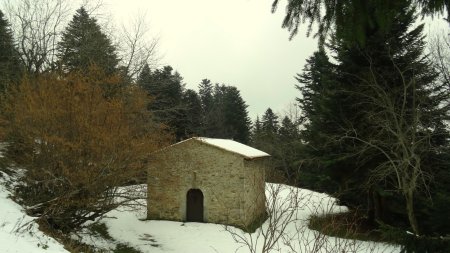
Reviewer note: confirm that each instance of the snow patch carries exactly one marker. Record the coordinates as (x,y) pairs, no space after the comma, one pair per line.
(18,231)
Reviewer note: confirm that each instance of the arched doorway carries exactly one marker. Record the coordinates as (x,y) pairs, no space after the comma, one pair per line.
(194,205)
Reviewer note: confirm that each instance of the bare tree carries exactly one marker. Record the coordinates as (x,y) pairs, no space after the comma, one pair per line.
(281,213)
(293,111)
(136,46)
(37,25)
(439,47)
(402,132)
(287,226)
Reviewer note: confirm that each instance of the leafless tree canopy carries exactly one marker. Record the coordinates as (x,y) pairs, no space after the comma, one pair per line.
(137,47)
(37,25)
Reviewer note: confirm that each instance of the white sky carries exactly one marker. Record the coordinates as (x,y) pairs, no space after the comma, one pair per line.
(236,42)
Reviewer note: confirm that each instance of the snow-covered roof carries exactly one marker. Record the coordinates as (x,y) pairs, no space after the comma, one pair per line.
(231,146)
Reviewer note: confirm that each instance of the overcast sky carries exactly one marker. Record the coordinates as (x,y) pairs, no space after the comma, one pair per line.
(235,42)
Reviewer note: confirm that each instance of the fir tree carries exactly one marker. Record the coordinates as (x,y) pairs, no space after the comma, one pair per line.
(267,139)
(192,113)
(288,130)
(144,78)
(352,19)
(83,44)
(256,133)
(269,122)
(205,90)
(379,95)
(10,66)
(237,123)
(166,88)
(224,112)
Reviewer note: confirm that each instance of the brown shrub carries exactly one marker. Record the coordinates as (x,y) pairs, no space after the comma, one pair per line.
(79,137)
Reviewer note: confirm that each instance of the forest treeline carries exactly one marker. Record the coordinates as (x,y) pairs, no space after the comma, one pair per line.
(80,114)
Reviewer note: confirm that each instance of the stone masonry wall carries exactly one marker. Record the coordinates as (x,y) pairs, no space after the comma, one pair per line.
(231,195)
(255,202)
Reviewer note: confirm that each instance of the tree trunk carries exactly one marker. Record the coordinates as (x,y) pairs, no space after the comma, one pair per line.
(409,197)
(370,207)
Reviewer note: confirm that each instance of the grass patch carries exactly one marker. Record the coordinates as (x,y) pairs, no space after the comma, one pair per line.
(350,225)
(125,248)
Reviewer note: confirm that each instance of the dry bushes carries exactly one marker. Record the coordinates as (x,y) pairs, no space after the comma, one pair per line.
(79,137)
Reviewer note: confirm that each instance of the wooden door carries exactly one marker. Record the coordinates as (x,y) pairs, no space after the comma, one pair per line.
(194,205)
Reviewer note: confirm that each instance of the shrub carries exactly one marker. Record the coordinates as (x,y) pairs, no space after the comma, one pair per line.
(79,137)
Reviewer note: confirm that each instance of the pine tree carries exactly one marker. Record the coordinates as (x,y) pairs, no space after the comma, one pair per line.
(224,111)
(352,19)
(83,43)
(267,139)
(237,123)
(379,96)
(290,146)
(396,99)
(10,67)
(316,87)
(269,122)
(256,134)
(205,90)
(321,104)
(288,130)
(166,88)
(144,78)
(192,113)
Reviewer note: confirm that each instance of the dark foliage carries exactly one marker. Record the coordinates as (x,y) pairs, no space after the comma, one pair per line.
(352,19)
(83,44)
(10,67)
(378,107)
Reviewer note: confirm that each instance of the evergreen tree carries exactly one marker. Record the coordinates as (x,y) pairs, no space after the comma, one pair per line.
(321,104)
(256,133)
(379,96)
(288,130)
(316,88)
(237,123)
(282,142)
(10,66)
(205,90)
(267,139)
(269,123)
(352,19)
(224,112)
(144,78)
(289,148)
(83,44)
(166,88)
(193,113)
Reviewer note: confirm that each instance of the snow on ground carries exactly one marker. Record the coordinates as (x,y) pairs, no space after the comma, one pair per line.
(128,227)
(18,232)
